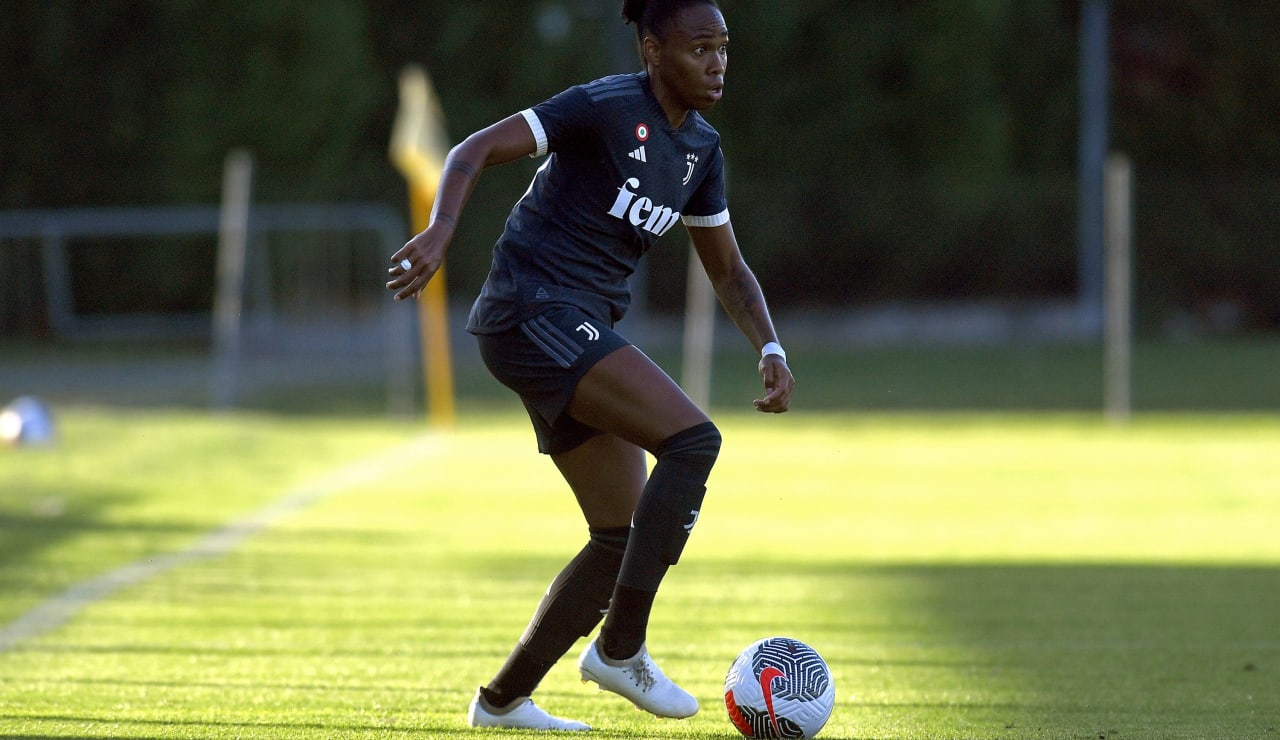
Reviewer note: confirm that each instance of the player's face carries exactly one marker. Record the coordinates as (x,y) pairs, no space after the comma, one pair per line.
(693,57)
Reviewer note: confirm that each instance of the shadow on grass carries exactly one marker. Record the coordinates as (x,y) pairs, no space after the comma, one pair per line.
(1034,650)
(215,728)
(999,650)
(49,544)
(42,517)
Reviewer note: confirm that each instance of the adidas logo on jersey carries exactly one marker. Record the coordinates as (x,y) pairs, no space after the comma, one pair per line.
(641,211)
(639,155)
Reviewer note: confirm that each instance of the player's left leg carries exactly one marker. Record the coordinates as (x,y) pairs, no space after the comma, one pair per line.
(625,394)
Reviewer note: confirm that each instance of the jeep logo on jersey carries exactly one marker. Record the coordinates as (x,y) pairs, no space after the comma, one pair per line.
(641,211)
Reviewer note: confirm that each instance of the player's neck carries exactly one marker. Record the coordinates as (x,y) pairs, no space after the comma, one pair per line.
(676,112)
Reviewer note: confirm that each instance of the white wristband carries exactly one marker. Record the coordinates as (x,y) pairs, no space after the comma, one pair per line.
(773,348)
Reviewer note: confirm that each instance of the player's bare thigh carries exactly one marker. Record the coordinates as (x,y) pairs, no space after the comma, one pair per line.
(607,475)
(627,395)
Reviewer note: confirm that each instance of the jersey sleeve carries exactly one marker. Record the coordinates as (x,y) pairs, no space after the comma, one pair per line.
(539,133)
(708,206)
(559,120)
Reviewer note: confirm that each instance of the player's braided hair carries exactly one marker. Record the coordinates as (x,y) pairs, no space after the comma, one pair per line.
(652,16)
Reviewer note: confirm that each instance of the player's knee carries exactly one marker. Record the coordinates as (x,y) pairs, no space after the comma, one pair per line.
(699,444)
(610,542)
(678,485)
(685,460)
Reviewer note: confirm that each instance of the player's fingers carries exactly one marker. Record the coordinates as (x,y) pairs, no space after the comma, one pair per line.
(769,407)
(410,289)
(408,277)
(778,383)
(401,263)
(776,401)
(399,280)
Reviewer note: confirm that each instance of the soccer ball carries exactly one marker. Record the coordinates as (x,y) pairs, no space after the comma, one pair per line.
(26,421)
(779,688)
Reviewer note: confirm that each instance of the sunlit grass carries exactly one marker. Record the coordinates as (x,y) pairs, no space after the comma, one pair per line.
(965,576)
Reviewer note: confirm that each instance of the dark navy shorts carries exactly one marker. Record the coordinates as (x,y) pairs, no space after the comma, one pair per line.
(542,360)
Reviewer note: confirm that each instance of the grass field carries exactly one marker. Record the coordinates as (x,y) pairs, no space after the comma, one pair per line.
(1202,375)
(966,576)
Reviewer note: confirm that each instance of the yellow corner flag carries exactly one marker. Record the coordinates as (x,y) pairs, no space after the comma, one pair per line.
(418,147)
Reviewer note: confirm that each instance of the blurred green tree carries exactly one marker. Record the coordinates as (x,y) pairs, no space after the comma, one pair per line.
(878,151)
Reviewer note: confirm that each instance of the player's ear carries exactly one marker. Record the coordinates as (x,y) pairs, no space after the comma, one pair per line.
(651,50)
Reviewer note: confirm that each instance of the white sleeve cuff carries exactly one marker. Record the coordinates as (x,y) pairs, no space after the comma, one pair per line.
(707,222)
(539,134)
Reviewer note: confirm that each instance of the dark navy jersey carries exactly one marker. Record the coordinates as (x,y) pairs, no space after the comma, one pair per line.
(618,178)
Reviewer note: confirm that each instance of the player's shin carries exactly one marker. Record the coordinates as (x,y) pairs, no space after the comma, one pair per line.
(572,607)
(663,521)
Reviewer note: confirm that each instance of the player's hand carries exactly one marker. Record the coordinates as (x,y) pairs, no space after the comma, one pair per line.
(778,384)
(414,264)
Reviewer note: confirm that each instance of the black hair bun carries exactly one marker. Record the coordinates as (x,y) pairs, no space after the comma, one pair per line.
(633,10)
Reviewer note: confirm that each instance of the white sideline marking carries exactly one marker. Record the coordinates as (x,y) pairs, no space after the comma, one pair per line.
(58,610)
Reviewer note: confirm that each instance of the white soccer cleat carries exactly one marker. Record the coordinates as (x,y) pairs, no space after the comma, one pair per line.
(525,716)
(638,679)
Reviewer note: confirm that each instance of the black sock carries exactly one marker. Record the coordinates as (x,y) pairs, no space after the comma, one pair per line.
(572,607)
(627,622)
(518,677)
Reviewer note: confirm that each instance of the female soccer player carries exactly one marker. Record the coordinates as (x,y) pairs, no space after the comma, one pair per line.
(630,156)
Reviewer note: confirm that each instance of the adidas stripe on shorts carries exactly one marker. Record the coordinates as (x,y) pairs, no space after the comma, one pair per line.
(542,360)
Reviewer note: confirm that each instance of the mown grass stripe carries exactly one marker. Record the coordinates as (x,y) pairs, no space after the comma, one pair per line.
(58,610)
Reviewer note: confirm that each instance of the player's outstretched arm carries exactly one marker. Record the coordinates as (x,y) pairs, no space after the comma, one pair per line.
(414,264)
(740,294)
